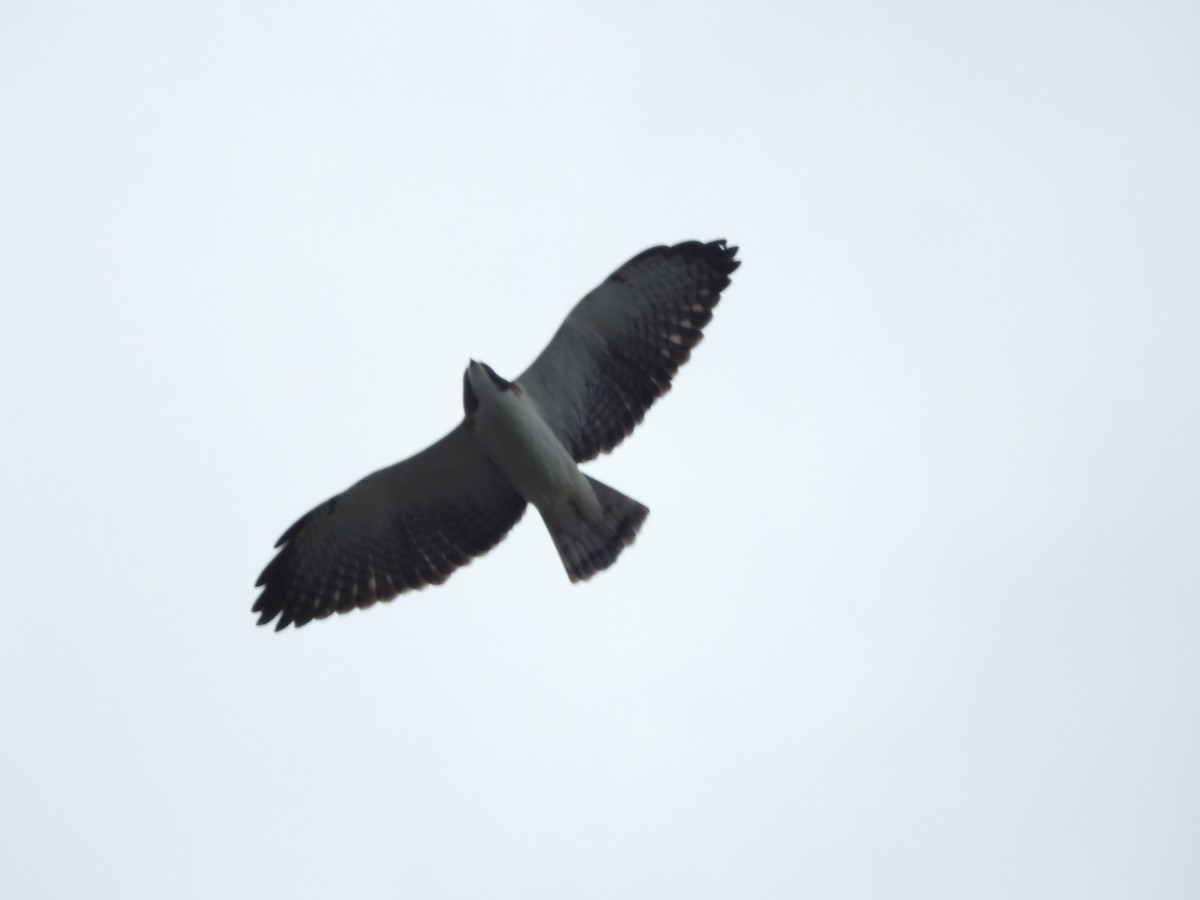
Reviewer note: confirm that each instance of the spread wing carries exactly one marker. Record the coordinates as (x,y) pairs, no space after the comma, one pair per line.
(621,345)
(403,527)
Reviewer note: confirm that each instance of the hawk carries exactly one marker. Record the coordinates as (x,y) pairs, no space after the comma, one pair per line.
(520,442)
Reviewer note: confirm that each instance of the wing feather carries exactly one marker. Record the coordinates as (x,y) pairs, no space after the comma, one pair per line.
(622,344)
(397,530)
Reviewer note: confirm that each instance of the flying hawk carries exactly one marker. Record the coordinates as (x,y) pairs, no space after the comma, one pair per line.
(414,523)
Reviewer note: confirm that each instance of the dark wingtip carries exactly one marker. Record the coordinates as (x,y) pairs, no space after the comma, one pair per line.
(715,252)
(723,257)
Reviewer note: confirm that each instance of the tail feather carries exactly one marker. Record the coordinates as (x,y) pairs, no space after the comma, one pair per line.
(589,545)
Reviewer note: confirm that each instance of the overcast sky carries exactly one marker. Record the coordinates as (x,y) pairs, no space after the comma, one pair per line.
(915,613)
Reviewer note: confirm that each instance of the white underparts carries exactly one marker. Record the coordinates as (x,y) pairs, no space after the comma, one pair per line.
(590,522)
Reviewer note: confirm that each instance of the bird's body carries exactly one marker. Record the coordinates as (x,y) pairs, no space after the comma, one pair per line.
(588,532)
(519,443)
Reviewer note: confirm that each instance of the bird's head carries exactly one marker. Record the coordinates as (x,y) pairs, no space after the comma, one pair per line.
(481,380)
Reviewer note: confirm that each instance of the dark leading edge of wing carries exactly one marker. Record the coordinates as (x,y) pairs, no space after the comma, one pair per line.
(621,345)
(403,527)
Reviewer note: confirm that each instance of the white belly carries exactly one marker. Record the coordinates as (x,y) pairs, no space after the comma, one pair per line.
(525,450)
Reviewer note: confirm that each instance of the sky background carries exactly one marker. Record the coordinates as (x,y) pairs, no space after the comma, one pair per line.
(915,613)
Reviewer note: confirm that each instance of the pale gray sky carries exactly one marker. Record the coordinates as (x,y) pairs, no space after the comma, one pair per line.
(915,613)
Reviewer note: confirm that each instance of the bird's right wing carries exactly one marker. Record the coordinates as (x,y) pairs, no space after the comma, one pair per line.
(621,345)
(399,529)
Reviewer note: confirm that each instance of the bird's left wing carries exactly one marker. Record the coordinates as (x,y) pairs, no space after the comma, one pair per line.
(403,527)
(621,345)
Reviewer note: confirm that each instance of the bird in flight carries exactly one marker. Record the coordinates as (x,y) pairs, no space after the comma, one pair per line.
(520,442)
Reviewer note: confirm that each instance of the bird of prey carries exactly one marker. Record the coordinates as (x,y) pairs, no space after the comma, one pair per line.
(415,522)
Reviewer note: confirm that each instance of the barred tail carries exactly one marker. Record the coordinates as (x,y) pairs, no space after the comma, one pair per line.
(588,545)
